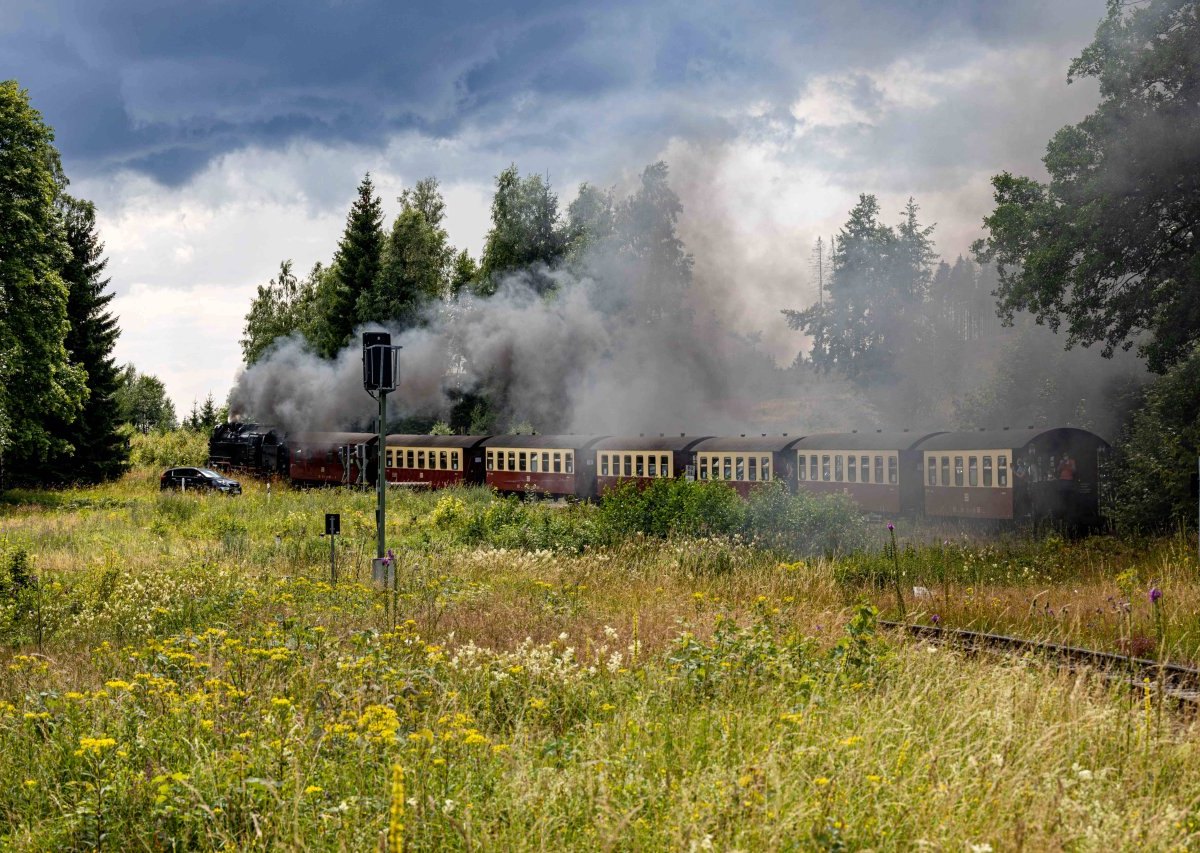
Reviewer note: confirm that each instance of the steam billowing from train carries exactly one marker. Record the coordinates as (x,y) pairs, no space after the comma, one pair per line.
(585,359)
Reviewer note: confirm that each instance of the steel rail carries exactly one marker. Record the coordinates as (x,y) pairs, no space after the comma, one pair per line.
(1174,680)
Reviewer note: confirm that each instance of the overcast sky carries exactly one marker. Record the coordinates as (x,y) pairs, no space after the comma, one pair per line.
(220,137)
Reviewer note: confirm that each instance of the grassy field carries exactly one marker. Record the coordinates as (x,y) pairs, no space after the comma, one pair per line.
(179,673)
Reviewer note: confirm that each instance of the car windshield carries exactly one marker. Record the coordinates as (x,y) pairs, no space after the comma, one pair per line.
(205,472)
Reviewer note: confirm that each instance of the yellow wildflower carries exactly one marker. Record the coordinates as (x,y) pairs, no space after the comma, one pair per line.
(395,836)
(94,745)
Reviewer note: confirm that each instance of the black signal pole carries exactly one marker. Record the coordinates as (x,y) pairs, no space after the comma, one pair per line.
(379,377)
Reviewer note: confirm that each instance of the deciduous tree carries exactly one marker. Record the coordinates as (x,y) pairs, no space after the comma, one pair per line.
(1108,247)
(39,381)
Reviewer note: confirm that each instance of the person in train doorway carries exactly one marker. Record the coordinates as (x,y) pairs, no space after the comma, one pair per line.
(1066,468)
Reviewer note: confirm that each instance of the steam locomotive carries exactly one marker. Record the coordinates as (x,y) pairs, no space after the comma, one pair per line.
(1051,473)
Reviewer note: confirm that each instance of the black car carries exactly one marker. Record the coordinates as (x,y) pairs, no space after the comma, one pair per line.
(198,478)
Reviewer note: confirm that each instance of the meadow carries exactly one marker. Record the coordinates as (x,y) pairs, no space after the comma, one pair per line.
(679,671)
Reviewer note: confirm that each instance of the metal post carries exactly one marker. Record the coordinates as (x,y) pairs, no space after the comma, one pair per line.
(1198,512)
(381,484)
(332,561)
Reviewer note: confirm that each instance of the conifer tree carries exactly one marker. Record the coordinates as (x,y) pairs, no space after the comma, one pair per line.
(356,267)
(100,452)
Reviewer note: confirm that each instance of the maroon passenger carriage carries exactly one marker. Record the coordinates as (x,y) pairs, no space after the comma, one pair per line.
(333,458)
(744,463)
(1033,474)
(642,459)
(434,461)
(880,471)
(560,465)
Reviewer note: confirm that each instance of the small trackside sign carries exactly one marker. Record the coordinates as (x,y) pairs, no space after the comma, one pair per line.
(333,524)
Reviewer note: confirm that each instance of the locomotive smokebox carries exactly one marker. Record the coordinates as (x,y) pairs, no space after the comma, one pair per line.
(379,372)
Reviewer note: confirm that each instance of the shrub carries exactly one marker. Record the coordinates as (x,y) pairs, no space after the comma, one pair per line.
(805,524)
(671,507)
(165,449)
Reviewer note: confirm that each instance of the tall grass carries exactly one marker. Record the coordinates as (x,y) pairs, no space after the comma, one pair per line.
(200,684)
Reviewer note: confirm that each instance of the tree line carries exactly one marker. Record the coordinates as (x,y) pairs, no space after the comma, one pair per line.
(404,275)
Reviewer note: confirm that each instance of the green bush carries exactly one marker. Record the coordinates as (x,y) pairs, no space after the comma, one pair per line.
(804,523)
(671,507)
(167,449)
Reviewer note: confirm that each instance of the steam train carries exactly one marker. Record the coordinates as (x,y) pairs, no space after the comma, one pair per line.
(1046,474)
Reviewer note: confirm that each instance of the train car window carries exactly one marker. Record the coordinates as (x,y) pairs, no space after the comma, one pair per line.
(764,469)
(664,466)
(443,459)
(521,461)
(603,464)
(825,468)
(533,462)
(802,467)
(557,463)
(454,460)
(639,468)
(411,457)
(893,470)
(512,460)
(851,469)
(945,470)
(958,470)
(813,474)
(570,462)
(328,455)
(865,464)
(753,468)
(728,468)
(739,469)
(878,469)
(1002,471)
(973,471)
(838,468)
(545,463)
(931,463)
(420,458)
(651,466)
(389,459)
(703,467)
(491,460)
(987,471)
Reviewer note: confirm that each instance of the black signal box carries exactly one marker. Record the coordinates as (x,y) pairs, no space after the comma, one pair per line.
(378,374)
(333,524)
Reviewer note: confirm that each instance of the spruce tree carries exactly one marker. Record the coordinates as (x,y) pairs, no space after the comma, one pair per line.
(356,266)
(100,452)
(417,263)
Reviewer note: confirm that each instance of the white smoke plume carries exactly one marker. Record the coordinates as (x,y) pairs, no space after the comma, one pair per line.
(567,362)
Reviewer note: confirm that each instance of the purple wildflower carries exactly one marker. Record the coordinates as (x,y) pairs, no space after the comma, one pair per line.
(1155,594)
(935,619)
(891,526)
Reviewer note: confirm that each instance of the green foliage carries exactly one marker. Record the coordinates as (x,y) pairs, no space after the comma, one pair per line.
(880,279)
(41,384)
(1156,457)
(671,507)
(417,264)
(143,401)
(284,307)
(526,235)
(354,272)
(1108,245)
(168,448)
(441,428)
(204,418)
(805,523)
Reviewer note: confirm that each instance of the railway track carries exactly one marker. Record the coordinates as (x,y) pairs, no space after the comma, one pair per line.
(1174,681)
